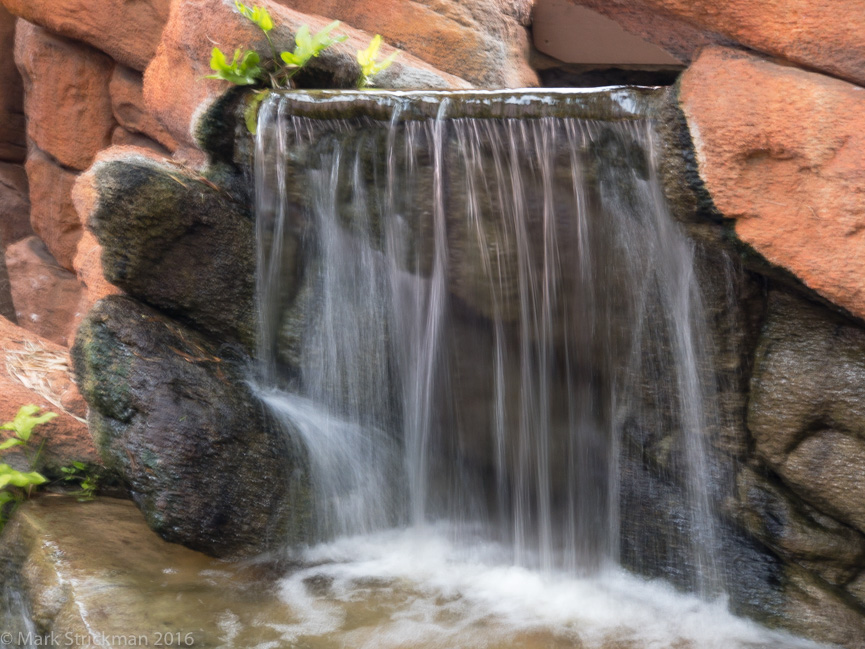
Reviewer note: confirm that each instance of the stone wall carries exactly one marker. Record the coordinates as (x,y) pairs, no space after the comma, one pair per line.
(765,126)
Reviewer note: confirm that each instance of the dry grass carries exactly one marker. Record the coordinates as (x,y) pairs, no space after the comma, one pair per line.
(32,364)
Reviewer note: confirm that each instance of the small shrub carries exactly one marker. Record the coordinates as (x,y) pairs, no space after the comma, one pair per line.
(82,475)
(246,68)
(16,485)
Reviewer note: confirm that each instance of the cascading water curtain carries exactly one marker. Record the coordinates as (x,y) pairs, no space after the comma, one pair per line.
(467,318)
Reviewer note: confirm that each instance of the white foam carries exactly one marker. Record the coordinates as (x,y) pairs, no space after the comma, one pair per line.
(439,591)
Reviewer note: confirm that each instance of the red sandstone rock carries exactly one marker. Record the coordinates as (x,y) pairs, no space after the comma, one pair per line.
(37,371)
(66,95)
(121,137)
(130,112)
(178,95)
(12,125)
(827,36)
(88,268)
(127,30)
(483,41)
(782,151)
(46,296)
(14,204)
(52,213)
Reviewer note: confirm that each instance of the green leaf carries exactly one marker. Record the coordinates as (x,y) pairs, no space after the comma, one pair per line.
(6,497)
(369,67)
(26,420)
(9,443)
(258,15)
(322,39)
(308,45)
(11,477)
(242,71)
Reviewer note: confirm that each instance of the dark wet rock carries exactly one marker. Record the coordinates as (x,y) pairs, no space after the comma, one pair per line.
(816,610)
(807,412)
(175,240)
(798,532)
(171,413)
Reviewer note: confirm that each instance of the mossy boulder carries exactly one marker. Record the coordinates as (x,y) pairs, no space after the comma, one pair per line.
(173,239)
(172,414)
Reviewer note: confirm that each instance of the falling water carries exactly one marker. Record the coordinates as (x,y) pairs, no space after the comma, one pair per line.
(472,307)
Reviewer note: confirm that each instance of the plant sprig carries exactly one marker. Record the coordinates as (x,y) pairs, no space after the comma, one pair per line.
(246,69)
(16,485)
(369,67)
(87,480)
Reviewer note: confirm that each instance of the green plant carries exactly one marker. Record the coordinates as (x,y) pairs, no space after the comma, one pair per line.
(16,485)
(369,67)
(242,71)
(309,45)
(88,481)
(246,67)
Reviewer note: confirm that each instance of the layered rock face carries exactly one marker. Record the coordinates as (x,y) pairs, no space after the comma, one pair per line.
(770,145)
(124,179)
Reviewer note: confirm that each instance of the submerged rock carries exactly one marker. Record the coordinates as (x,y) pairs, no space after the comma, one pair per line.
(94,570)
(171,413)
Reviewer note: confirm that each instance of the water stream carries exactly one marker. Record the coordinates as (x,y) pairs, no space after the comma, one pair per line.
(473,306)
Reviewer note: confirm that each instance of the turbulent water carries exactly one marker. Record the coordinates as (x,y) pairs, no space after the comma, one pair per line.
(474,308)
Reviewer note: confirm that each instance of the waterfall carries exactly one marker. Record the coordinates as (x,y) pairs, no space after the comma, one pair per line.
(473,307)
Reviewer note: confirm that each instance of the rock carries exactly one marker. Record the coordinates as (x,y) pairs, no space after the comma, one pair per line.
(818,36)
(52,213)
(781,151)
(807,412)
(37,371)
(177,421)
(88,269)
(46,296)
(798,532)
(66,95)
(179,97)
(173,239)
(121,137)
(127,31)
(827,469)
(13,146)
(95,570)
(484,42)
(820,612)
(7,307)
(856,588)
(13,137)
(130,112)
(14,204)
